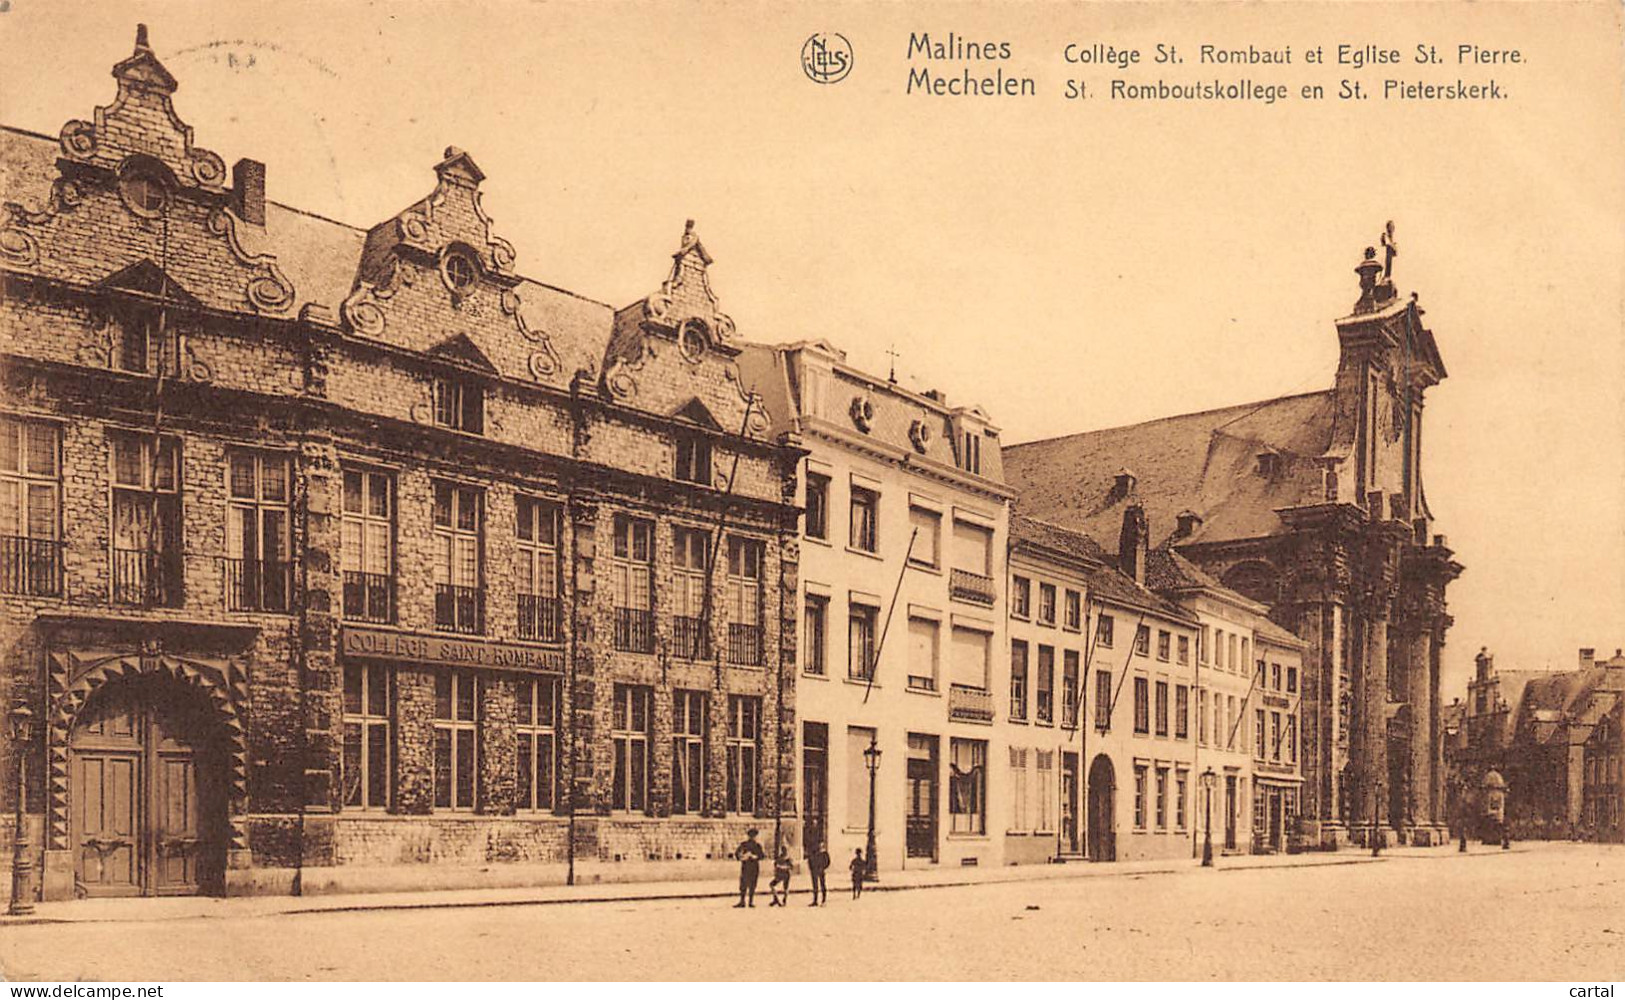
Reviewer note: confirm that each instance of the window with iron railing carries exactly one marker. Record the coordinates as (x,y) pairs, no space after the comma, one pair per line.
(536,546)
(30,508)
(745,557)
(690,633)
(146,520)
(632,581)
(972,579)
(258,574)
(459,535)
(369,546)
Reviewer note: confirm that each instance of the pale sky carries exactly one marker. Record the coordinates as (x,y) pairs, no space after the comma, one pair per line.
(1069,265)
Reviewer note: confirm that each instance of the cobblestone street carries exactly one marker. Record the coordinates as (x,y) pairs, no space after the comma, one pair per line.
(1545,912)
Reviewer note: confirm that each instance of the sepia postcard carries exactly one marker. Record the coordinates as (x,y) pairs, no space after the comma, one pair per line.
(1109,491)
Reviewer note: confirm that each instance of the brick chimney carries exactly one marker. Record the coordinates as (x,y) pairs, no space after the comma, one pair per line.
(1134,543)
(248,191)
(1187,524)
(1588,655)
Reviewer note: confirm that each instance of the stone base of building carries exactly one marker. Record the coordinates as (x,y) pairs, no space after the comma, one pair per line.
(1428,835)
(1322,835)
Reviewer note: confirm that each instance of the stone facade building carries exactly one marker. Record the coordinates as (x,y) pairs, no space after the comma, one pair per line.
(1313,505)
(332,552)
(1551,740)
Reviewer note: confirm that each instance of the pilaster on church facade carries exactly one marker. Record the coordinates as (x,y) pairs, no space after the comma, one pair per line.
(1314,506)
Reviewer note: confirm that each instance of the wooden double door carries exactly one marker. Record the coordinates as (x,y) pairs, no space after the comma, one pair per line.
(147,793)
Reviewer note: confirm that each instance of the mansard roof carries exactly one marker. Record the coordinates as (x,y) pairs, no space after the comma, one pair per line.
(1205,462)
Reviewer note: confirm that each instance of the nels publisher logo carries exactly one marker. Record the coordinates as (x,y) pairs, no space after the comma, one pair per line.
(826,57)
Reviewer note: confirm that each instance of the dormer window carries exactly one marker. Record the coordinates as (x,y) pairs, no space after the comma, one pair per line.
(970,455)
(459,406)
(142,346)
(1268,464)
(694,460)
(144,191)
(460,271)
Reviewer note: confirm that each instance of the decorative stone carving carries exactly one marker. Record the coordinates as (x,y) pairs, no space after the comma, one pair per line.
(544,362)
(269,291)
(21,247)
(919,435)
(862,411)
(363,310)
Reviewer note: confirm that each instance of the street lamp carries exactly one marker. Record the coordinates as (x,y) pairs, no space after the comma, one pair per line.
(22,734)
(871,759)
(1209,779)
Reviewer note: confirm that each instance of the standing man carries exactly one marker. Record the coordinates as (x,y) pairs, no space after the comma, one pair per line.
(859,867)
(749,854)
(817,865)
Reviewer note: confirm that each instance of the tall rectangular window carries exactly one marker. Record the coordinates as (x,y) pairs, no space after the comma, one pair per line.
(694,460)
(1070,691)
(1182,712)
(1162,798)
(1275,676)
(967,786)
(365,774)
(459,536)
(1045,765)
(924,646)
(690,722)
(972,653)
(744,753)
(1142,705)
(745,602)
(456,714)
(1046,604)
(1292,680)
(536,545)
(1275,736)
(369,546)
(1260,750)
(632,583)
(30,508)
(1018,681)
(1218,647)
(860,632)
(1020,807)
(1163,640)
(459,406)
(1074,610)
(1103,700)
(146,520)
(1021,597)
(817,517)
(1184,649)
(1139,796)
(1142,641)
(1182,781)
(258,575)
(690,634)
(1162,708)
(926,530)
(972,577)
(536,729)
(631,712)
(865,520)
(1292,739)
(815,620)
(1044,690)
(1103,631)
(1201,716)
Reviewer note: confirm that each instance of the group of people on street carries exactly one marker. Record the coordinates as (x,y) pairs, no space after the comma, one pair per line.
(750,855)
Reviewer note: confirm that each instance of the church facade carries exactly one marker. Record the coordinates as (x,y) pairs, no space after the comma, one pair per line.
(1314,506)
(333,553)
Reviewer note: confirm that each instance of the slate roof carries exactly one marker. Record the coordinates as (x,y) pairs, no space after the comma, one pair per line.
(1205,462)
(1106,582)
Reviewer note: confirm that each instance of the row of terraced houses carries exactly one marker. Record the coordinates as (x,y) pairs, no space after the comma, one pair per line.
(349,558)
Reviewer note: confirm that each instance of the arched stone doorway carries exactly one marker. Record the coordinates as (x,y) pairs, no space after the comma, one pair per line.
(147,773)
(1102,810)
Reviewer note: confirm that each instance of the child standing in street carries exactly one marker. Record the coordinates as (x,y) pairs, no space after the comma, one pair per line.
(780,886)
(858,866)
